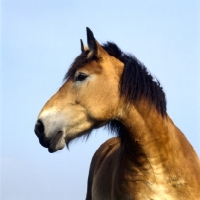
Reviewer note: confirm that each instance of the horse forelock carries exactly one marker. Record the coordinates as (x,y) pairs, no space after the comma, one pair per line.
(79,62)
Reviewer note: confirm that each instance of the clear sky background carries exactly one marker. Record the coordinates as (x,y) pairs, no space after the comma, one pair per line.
(39,41)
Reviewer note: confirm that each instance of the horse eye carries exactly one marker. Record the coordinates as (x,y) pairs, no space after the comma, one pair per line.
(81,77)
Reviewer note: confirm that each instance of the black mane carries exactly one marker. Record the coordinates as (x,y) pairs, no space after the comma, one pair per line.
(136,81)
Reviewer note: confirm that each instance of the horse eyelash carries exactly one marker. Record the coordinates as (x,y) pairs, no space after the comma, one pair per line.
(81,77)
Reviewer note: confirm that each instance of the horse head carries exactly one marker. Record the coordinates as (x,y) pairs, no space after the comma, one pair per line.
(88,99)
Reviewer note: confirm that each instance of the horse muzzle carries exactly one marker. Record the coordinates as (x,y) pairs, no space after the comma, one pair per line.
(53,141)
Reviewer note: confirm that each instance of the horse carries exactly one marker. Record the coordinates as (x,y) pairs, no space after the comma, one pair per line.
(148,157)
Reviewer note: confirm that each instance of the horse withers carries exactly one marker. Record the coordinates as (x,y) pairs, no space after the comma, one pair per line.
(150,158)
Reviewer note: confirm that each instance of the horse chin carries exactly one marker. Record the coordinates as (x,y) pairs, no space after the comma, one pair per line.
(58,143)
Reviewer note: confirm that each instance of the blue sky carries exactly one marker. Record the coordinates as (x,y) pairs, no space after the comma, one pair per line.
(39,41)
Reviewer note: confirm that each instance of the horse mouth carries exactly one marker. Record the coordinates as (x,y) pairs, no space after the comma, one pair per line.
(44,142)
(53,144)
(56,143)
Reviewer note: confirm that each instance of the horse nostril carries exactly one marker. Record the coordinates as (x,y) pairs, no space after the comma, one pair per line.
(39,129)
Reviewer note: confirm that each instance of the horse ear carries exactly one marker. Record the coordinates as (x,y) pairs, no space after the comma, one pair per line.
(83,47)
(94,47)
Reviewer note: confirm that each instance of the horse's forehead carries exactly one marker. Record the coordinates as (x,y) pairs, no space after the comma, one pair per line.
(92,66)
(95,66)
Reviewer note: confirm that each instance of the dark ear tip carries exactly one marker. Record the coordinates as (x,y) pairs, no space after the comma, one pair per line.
(91,40)
(89,32)
(82,45)
(88,29)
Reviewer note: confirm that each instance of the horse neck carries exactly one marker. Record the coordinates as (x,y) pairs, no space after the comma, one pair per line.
(154,148)
(146,139)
